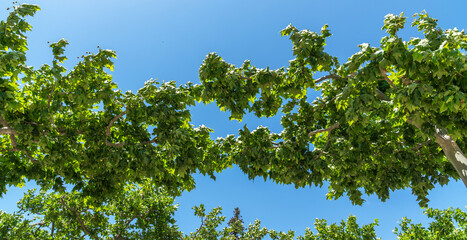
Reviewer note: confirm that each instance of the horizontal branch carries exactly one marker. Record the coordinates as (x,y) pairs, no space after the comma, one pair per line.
(334,126)
(421,145)
(149,142)
(330,76)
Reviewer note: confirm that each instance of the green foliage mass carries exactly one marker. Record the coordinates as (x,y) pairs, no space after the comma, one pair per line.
(391,117)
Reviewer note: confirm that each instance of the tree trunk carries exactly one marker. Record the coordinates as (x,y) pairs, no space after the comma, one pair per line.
(453,153)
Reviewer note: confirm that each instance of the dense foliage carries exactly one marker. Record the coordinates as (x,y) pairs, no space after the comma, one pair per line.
(109,164)
(144,214)
(391,117)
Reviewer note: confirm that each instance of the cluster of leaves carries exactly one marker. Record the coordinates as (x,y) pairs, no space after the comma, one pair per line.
(77,128)
(142,212)
(378,125)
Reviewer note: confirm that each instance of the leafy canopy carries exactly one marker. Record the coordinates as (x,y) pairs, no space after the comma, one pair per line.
(391,117)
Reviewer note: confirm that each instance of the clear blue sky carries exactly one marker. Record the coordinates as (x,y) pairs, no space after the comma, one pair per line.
(168,40)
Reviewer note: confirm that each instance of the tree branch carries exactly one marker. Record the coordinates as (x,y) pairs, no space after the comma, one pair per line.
(53,229)
(202,223)
(384,73)
(330,76)
(149,142)
(12,133)
(334,126)
(329,130)
(381,96)
(421,145)
(244,78)
(107,132)
(85,229)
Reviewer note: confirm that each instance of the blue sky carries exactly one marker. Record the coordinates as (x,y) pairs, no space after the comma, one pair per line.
(168,40)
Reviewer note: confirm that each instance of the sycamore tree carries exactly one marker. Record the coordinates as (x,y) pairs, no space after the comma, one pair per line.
(109,164)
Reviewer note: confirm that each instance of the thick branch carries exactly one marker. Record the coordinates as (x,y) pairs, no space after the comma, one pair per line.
(451,150)
(384,73)
(453,153)
(53,229)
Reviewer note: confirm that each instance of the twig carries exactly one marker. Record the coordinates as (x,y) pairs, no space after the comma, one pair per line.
(12,133)
(149,142)
(421,145)
(202,223)
(334,126)
(325,146)
(384,73)
(330,76)
(107,132)
(329,130)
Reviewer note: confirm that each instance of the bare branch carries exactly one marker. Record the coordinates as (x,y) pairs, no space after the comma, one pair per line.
(384,73)
(334,126)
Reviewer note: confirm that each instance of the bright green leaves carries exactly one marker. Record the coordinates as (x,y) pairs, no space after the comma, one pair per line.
(427,25)
(309,47)
(446,224)
(372,130)
(376,98)
(140,212)
(250,89)
(393,23)
(58,49)
(12,34)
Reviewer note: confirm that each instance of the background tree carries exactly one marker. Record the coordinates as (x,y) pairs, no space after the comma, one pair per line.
(236,223)
(374,128)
